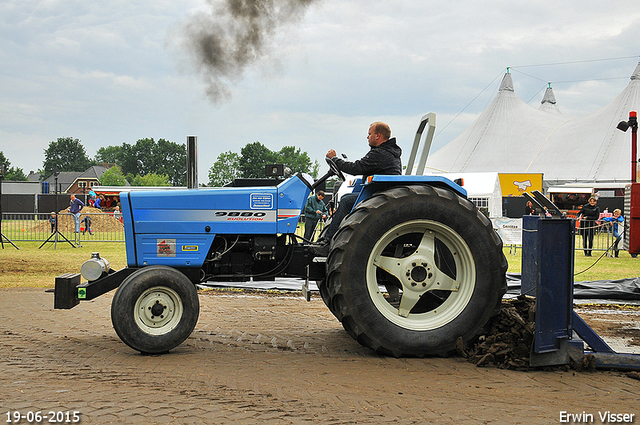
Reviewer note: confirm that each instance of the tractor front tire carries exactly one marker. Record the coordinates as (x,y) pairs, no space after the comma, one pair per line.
(413,269)
(155,309)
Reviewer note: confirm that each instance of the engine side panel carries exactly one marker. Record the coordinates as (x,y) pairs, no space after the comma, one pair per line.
(176,227)
(191,211)
(174,250)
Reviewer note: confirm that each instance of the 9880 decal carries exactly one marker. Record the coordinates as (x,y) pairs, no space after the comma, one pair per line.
(239,215)
(51,417)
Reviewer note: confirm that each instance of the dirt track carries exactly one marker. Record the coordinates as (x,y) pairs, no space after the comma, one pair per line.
(267,360)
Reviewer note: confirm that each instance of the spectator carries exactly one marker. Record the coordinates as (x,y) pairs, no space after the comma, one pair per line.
(75,206)
(99,204)
(52,221)
(92,198)
(618,229)
(87,224)
(314,210)
(117,214)
(589,214)
(528,209)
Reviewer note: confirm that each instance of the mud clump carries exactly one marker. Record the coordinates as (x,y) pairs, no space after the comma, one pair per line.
(508,341)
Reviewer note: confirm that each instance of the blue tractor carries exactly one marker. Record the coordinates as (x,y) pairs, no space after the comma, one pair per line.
(412,271)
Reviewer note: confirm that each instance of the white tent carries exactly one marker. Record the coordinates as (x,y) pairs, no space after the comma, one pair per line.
(590,148)
(504,138)
(513,137)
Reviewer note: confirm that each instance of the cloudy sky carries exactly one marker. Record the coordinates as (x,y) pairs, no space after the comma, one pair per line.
(308,73)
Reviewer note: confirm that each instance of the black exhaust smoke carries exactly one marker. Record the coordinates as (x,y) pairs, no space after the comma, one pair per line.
(234,35)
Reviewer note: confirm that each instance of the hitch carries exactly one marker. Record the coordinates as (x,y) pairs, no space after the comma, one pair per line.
(69,291)
(64,296)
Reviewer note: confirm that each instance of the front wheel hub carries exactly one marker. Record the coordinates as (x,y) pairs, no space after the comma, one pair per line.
(158,310)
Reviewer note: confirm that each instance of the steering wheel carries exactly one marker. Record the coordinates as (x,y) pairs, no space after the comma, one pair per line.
(334,168)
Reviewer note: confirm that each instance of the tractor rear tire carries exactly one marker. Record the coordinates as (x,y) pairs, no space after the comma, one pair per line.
(324,292)
(413,269)
(155,309)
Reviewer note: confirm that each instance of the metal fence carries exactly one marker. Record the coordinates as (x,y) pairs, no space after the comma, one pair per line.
(590,237)
(595,236)
(104,227)
(107,227)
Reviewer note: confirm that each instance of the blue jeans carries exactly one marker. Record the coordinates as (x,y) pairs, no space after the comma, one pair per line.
(76,220)
(344,208)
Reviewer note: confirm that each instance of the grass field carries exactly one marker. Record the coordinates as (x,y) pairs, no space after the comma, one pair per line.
(590,268)
(31,266)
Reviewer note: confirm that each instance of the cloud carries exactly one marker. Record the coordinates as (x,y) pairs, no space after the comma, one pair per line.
(233,35)
(313,74)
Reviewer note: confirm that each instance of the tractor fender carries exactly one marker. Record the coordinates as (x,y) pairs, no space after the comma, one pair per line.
(378,183)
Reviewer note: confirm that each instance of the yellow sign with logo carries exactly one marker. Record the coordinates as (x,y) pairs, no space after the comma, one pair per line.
(515,184)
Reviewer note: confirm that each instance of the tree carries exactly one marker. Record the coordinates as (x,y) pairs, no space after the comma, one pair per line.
(161,157)
(15,174)
(315,170)
(113,177)
(225,169)
(65,154)
(147,156)
(171,160)
(151,179)
(4,162)
(254,157)
(146,161)
(128,160)
(11,173)
(109,155)
(296,160)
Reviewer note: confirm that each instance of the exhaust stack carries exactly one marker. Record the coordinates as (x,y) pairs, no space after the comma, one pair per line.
(192,162)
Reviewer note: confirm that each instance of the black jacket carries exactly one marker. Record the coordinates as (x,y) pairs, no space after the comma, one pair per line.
(589,212)
(383,159)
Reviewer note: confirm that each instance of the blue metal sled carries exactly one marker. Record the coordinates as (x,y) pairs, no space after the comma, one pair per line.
(547,273)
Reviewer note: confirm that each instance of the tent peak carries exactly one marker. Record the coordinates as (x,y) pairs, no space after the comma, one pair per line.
(549,101)
(636,73)
(549,97)
(507,82)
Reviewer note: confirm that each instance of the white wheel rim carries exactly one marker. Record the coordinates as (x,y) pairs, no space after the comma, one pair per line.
(158,310)
(418,275)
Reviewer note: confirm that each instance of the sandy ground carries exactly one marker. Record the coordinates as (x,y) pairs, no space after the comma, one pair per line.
(268,359)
